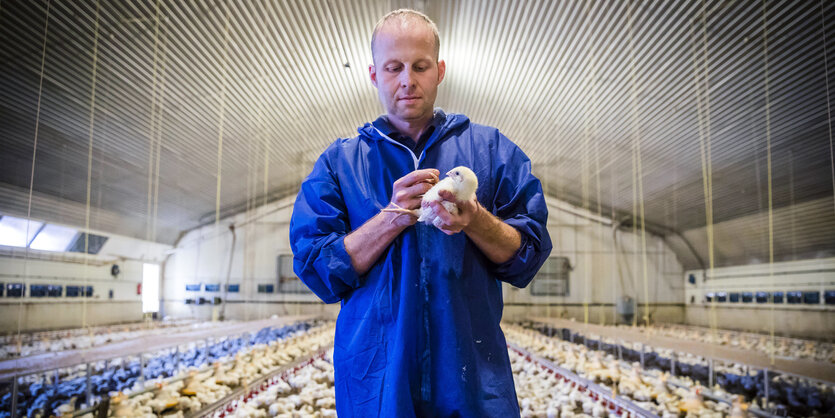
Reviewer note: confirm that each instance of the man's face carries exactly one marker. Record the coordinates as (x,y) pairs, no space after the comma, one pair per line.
(405,70)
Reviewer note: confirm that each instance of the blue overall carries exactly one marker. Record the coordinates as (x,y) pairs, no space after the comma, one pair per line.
(418,334)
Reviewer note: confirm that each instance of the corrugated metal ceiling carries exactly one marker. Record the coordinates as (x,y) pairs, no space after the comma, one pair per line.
(576,84)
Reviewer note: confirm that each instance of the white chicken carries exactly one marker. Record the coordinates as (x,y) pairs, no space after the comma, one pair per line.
(460,181)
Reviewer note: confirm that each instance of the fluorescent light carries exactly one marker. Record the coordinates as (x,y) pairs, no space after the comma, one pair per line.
(54,238)
(13,231)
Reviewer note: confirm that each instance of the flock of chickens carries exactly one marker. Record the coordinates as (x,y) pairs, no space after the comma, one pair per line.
(307,392)
(65,390)
(30,344)
(658,393)
(783,395)
(182,382)
(202,388)
(783,346)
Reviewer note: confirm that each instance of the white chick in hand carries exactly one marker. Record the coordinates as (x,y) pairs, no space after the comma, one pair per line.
(460,181)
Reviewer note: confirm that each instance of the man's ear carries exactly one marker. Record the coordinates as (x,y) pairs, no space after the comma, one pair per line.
(372,73)
(441,70)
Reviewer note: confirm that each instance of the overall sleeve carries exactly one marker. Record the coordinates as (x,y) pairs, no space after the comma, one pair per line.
(520,202)
(318,228)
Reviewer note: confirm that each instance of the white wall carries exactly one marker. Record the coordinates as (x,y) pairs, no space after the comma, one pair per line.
(600,272)
(802,320)
(40,267)
(604,271)
(202,257)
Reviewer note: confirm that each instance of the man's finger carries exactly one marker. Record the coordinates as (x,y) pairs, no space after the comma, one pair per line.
(418,189)
(447,195)
(445,229)
(413,203)
(417,176)
(441,212)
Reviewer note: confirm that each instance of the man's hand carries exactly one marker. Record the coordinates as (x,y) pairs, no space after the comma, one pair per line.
(408,191)
(366,243)
(453,224)
(496,239)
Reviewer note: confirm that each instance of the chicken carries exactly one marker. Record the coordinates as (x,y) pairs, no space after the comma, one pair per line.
(692,403)
(165,397)
(460,181)
(192,384)
(739,409)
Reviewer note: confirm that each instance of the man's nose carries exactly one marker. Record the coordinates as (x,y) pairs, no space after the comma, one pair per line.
(407,78)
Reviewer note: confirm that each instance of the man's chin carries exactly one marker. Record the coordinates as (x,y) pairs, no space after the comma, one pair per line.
(411,113)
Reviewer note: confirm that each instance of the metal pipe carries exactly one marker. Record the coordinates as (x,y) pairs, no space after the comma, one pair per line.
(673,364)
(89,388)
(710,372)
(142,368)
(14,396)
(765,385)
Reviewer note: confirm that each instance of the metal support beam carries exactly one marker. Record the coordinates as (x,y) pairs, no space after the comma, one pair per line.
(89,388)
(142,368)
(673,364)
(14,396)
(765,386)
(710,372)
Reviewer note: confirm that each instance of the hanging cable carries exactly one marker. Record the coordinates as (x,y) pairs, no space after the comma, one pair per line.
(584,180)
(768,162)
(263,122)
(32,177)
(639,175)
(221,120)
(158,152)
(828,106)
(594,132)
(152,127)
(704,129)
(86,292)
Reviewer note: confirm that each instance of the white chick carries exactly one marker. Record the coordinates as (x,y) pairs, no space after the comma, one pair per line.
(460,181)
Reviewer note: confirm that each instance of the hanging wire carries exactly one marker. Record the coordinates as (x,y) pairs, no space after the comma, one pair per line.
(90,174)
(828,106)
(158,87)
(615,269)
(263,125)
(768,159)
(549,296)
(703,113)
(221,120)
(594,133)
(634,120)
(32,176)
(249,229)
(584,179)
(159,121)
(152,127)
(638,187)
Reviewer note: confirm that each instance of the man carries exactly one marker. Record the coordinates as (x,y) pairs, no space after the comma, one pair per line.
(418,332)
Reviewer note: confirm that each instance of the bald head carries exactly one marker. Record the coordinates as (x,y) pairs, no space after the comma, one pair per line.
(406,20)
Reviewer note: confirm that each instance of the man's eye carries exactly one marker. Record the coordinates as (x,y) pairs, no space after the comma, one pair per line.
(392,69)
(421,68)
